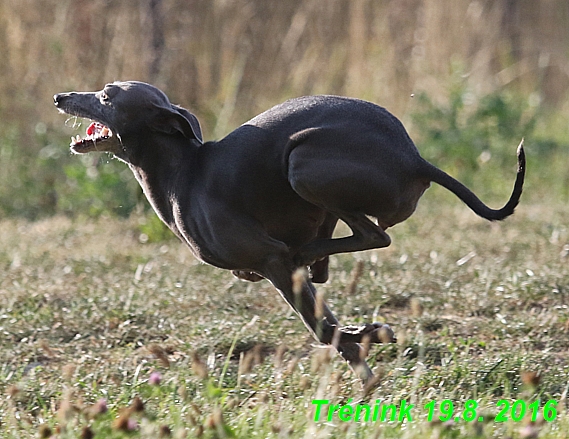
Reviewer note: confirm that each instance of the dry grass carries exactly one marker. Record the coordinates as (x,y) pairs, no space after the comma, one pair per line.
(105,335)
(237,58)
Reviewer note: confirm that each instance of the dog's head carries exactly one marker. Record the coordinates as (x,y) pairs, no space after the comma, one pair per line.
(123,111)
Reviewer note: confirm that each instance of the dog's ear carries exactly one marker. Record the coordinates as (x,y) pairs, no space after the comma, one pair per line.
(177,119)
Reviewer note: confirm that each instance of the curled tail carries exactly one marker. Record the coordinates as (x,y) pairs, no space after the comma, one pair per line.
(472,201)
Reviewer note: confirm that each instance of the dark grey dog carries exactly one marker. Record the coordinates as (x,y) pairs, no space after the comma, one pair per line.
(265,200)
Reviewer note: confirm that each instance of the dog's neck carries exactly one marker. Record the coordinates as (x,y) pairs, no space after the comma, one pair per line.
(157,169)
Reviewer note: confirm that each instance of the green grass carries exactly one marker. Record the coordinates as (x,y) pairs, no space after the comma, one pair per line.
(88,311)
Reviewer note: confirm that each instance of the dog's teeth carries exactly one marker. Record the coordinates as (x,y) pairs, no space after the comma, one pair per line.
(73,141)
(78,138)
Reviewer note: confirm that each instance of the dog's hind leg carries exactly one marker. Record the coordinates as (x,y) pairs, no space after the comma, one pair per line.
(319,269)
(347,181)
(366,236)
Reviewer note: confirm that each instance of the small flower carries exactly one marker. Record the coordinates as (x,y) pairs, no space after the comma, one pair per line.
(530,431)
(164,431)
(66,409)
(304,382)
(68,371)
(44,431)
(100,406)
(12,391)
(155,379)
(531,378)
(160,353)
(137,405)
(215,419)
(87,433)
(97,409)
(131,424)
(199,367)
(124,422)
(279,355)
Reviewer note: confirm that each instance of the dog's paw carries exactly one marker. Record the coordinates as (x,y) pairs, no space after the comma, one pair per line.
(371,332)
(384,333)
(247,275)
(319,271)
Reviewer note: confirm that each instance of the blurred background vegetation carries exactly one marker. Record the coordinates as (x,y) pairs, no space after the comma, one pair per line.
(468,78)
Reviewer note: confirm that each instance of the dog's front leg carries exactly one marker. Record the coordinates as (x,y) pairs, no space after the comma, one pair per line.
(320,320)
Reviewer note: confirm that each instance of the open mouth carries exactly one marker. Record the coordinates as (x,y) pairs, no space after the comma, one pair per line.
(95,134)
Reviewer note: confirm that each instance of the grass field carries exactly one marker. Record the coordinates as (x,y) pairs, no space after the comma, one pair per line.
(105,336)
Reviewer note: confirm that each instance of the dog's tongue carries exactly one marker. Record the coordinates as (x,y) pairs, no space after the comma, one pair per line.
(92,128)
